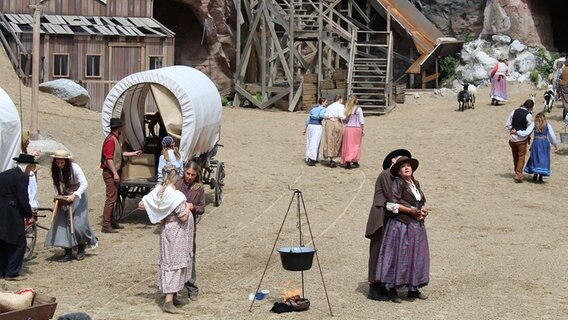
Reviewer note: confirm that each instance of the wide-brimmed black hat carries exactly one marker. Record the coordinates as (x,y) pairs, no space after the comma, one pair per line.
(402,160)
(25,158)
(394,154)
(115,122)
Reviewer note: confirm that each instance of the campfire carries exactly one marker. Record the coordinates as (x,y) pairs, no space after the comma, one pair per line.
(293,298)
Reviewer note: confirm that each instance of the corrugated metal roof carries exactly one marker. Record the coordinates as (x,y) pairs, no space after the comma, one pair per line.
(104,26)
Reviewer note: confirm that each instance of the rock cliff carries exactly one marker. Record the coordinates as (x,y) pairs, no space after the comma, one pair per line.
(205,29)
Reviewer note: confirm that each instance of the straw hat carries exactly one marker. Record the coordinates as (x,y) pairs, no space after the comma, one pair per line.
(402,160)
(61,154)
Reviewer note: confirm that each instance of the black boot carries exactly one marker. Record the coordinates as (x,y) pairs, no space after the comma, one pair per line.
(68,255)
(377,292)
(81,252)
(393,296)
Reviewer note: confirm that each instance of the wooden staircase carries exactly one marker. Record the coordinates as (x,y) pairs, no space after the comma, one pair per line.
(323,38)
(369,71)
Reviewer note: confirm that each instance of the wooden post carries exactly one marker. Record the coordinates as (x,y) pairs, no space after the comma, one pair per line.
(35,70)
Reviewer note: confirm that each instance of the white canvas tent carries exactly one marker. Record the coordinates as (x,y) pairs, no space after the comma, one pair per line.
(188,100)
(10,131)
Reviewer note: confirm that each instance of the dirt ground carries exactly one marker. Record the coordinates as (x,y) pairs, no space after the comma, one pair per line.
(498,249)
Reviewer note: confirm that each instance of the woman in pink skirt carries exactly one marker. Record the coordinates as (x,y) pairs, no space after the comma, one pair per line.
(352,134)
(167,206)
(499,82)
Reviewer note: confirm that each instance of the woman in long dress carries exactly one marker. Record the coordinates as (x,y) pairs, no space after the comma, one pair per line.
(314,131)
(352,134)
(170,156)
(539,161)
(404,258)
(71,194)
(167,206)
(499,82)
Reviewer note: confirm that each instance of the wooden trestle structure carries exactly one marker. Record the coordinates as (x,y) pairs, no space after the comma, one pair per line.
(284,44)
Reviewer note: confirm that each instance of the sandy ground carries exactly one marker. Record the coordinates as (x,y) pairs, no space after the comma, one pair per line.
(498,249)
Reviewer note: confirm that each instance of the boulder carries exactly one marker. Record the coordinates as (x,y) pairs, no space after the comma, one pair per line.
(67,90)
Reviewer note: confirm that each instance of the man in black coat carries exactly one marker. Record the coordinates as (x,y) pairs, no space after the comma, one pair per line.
(14,207)
(377,221)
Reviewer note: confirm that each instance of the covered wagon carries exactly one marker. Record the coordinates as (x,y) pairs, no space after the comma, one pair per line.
(190,108)
(10,131)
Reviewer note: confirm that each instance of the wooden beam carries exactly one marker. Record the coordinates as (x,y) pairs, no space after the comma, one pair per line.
(247,95)
(270,101)
(296,98)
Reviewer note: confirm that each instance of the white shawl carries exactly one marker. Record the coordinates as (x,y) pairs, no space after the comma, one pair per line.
(159,209)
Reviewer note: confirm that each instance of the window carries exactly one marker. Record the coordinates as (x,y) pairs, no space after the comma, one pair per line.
(60,65)
(155,62)
(93,66)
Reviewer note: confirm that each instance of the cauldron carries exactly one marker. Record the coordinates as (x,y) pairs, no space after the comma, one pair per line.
(296,258)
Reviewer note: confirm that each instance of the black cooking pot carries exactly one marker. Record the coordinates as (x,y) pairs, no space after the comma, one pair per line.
(296,258)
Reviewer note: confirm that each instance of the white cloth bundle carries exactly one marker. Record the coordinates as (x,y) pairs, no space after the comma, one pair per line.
(15,301)
(156,208)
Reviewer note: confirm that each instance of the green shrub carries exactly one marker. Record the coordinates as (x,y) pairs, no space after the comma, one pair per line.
(225,102)
(447,67)
(467,37)
(534,76)
(544,65)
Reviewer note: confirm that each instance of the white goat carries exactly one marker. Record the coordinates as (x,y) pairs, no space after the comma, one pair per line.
(549,97)
(471,90)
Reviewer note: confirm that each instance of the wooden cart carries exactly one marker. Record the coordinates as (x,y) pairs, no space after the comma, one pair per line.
(43,308)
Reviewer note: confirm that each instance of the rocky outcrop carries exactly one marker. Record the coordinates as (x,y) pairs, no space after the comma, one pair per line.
(204,36)
(525,20)
(67,90)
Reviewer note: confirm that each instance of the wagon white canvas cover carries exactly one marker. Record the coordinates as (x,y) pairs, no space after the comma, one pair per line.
(187,99)
(10,131)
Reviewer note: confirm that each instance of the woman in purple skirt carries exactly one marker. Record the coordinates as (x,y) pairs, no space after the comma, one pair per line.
(404,259)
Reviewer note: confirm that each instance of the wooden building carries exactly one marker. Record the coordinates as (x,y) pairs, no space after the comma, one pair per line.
(94,42)
(294,51)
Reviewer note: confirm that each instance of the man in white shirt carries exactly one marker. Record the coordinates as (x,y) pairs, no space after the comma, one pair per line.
(520,125)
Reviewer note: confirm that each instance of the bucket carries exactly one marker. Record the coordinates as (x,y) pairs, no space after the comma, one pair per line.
(564,136)
(296,258)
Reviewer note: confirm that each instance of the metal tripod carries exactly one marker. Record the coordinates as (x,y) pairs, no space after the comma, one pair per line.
(299,206)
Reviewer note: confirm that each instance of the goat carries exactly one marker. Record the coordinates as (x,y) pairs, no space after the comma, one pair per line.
(533,97)
(549,97)
(471,90)
(463,100)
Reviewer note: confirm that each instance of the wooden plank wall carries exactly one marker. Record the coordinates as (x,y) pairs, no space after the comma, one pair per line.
(126,59)
(119,8)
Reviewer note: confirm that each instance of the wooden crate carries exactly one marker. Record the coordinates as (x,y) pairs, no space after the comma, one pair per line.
(399,88)
(339,74)
(327,84)
(310,78)
(398,98)
(340,84)
(309,89)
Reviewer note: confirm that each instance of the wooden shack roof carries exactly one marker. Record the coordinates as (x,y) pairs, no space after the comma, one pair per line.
(81,25)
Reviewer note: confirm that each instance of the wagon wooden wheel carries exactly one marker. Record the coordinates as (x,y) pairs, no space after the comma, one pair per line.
(120,201)
(31,239)
(219,183)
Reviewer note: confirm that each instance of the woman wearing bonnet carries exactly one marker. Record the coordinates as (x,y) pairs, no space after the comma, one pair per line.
(167,206)
(499,82)
(404,258)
